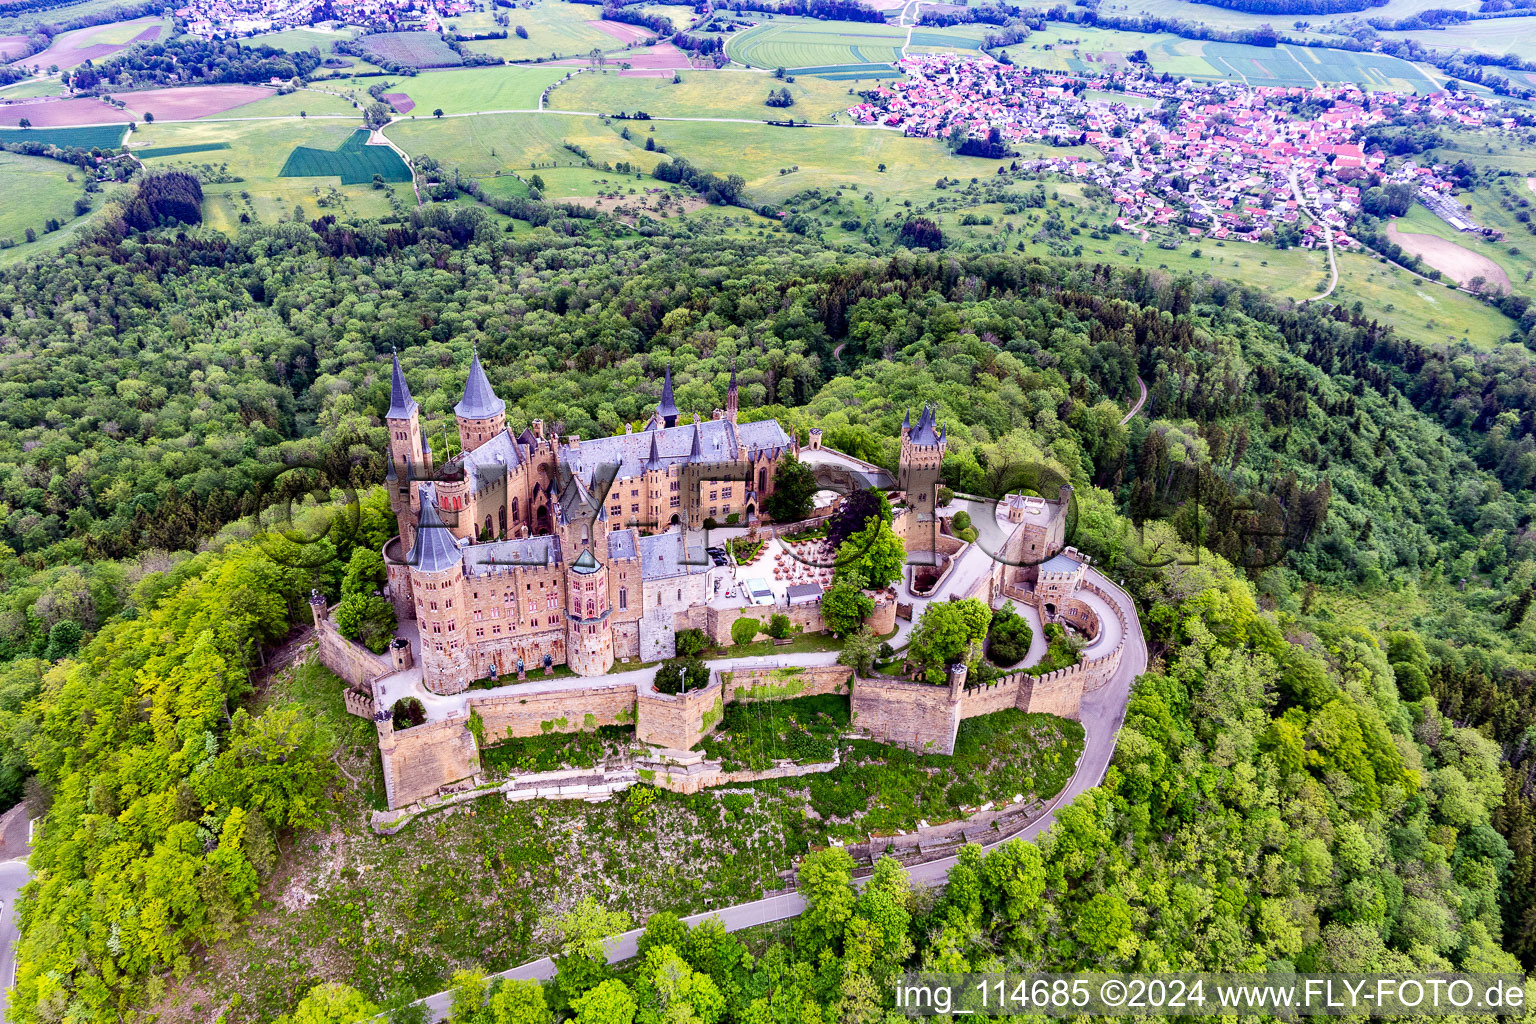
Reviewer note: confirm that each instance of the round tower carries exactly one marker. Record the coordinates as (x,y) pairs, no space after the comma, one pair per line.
(589,634)
(437,584)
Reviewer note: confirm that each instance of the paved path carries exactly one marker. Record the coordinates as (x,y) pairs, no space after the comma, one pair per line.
(1102,713)
(1139,402)
(13,875)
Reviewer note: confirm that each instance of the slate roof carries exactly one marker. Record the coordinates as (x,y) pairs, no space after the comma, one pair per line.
(502,554)
(661,556)
(479,401)
(435,548)
(1062,562)
(924,433)
(803,593)
(585,562)
(621,544)
(667,406)
(500,450)
(673,446)
(401,404)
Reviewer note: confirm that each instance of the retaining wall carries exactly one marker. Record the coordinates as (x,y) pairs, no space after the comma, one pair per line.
(756,684)
(566,710)
(903,713)
(677,721)
(352,661)
(420,761)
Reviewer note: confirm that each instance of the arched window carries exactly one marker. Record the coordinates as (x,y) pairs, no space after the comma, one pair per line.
(623,598)
(591,608)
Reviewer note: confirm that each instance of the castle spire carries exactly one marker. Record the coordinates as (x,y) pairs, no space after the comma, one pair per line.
(666,409)
(654,461)
(479,401)
(730,395)
(401,405)
(696,453)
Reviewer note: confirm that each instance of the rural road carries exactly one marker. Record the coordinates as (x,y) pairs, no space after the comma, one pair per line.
(1102,713)
(1139,402)
(15,840)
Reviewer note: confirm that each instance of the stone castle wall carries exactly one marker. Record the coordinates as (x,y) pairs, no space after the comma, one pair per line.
(350,660)
(919,716)
(580,708)
(758,684)
(420,761)
(677,721)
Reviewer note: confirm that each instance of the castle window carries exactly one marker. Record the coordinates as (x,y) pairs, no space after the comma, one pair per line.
(726,492)
(434,606)
(452,626)
(533,604)
(714,495)
(591,611)
(635,509)
(477,615)
(480,632)
(623,598)
(552,599)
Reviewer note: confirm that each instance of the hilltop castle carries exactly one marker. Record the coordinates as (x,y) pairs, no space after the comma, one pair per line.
(532,550)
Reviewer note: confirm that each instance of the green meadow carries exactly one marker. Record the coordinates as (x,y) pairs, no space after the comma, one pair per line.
(253,154)
(482,146)
(298,40)
(310,102)
(32,190)
(462,90)
(724,93)
(1425,311)
(787,42)
(554,27)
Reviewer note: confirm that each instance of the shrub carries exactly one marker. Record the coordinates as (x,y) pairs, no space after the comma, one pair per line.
(961,521)
(691,642)
(1008,638)
(779,626)
(408,712)
(744,631)
(680,675)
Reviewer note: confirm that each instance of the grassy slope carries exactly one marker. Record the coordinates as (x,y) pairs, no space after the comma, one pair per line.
(33,189)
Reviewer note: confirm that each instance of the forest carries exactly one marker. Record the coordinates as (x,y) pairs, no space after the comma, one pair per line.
(1327,530)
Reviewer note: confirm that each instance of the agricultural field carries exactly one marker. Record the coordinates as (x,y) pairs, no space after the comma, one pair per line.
(1082,49)
(482,146)
(299,40)
(413,49)
(34,189)
(97,41)
(797,43)
(241,163)
(960,39)
(23,22)
(462,90)
(1425,311)
(96,137)
(32,88)
(1493,206)
(680,15)
(725,93)
(555,29)
(1516,36)
(1320,26)
(313,102)
(191,101)
(355,162)
(60,113)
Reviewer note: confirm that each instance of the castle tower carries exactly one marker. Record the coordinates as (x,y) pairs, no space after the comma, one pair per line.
(480,413)
(730,396)
(589,634)
(922,459)
(405,443)
(442,613)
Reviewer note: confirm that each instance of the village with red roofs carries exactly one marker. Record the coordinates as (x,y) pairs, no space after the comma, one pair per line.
(1218,160)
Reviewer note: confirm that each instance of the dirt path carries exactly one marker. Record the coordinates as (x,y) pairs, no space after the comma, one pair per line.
(1455,261)
(1333,263)
(1139,402)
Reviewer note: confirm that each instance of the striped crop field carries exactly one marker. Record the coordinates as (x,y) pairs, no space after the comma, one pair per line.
(797,43)
(355,162)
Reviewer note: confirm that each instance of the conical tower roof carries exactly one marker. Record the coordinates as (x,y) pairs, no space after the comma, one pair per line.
(401,404)
(479,401)
(435,548)
(667,407)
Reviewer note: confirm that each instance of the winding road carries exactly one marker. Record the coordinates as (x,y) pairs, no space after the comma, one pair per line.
(1139,402)
(1102,713)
